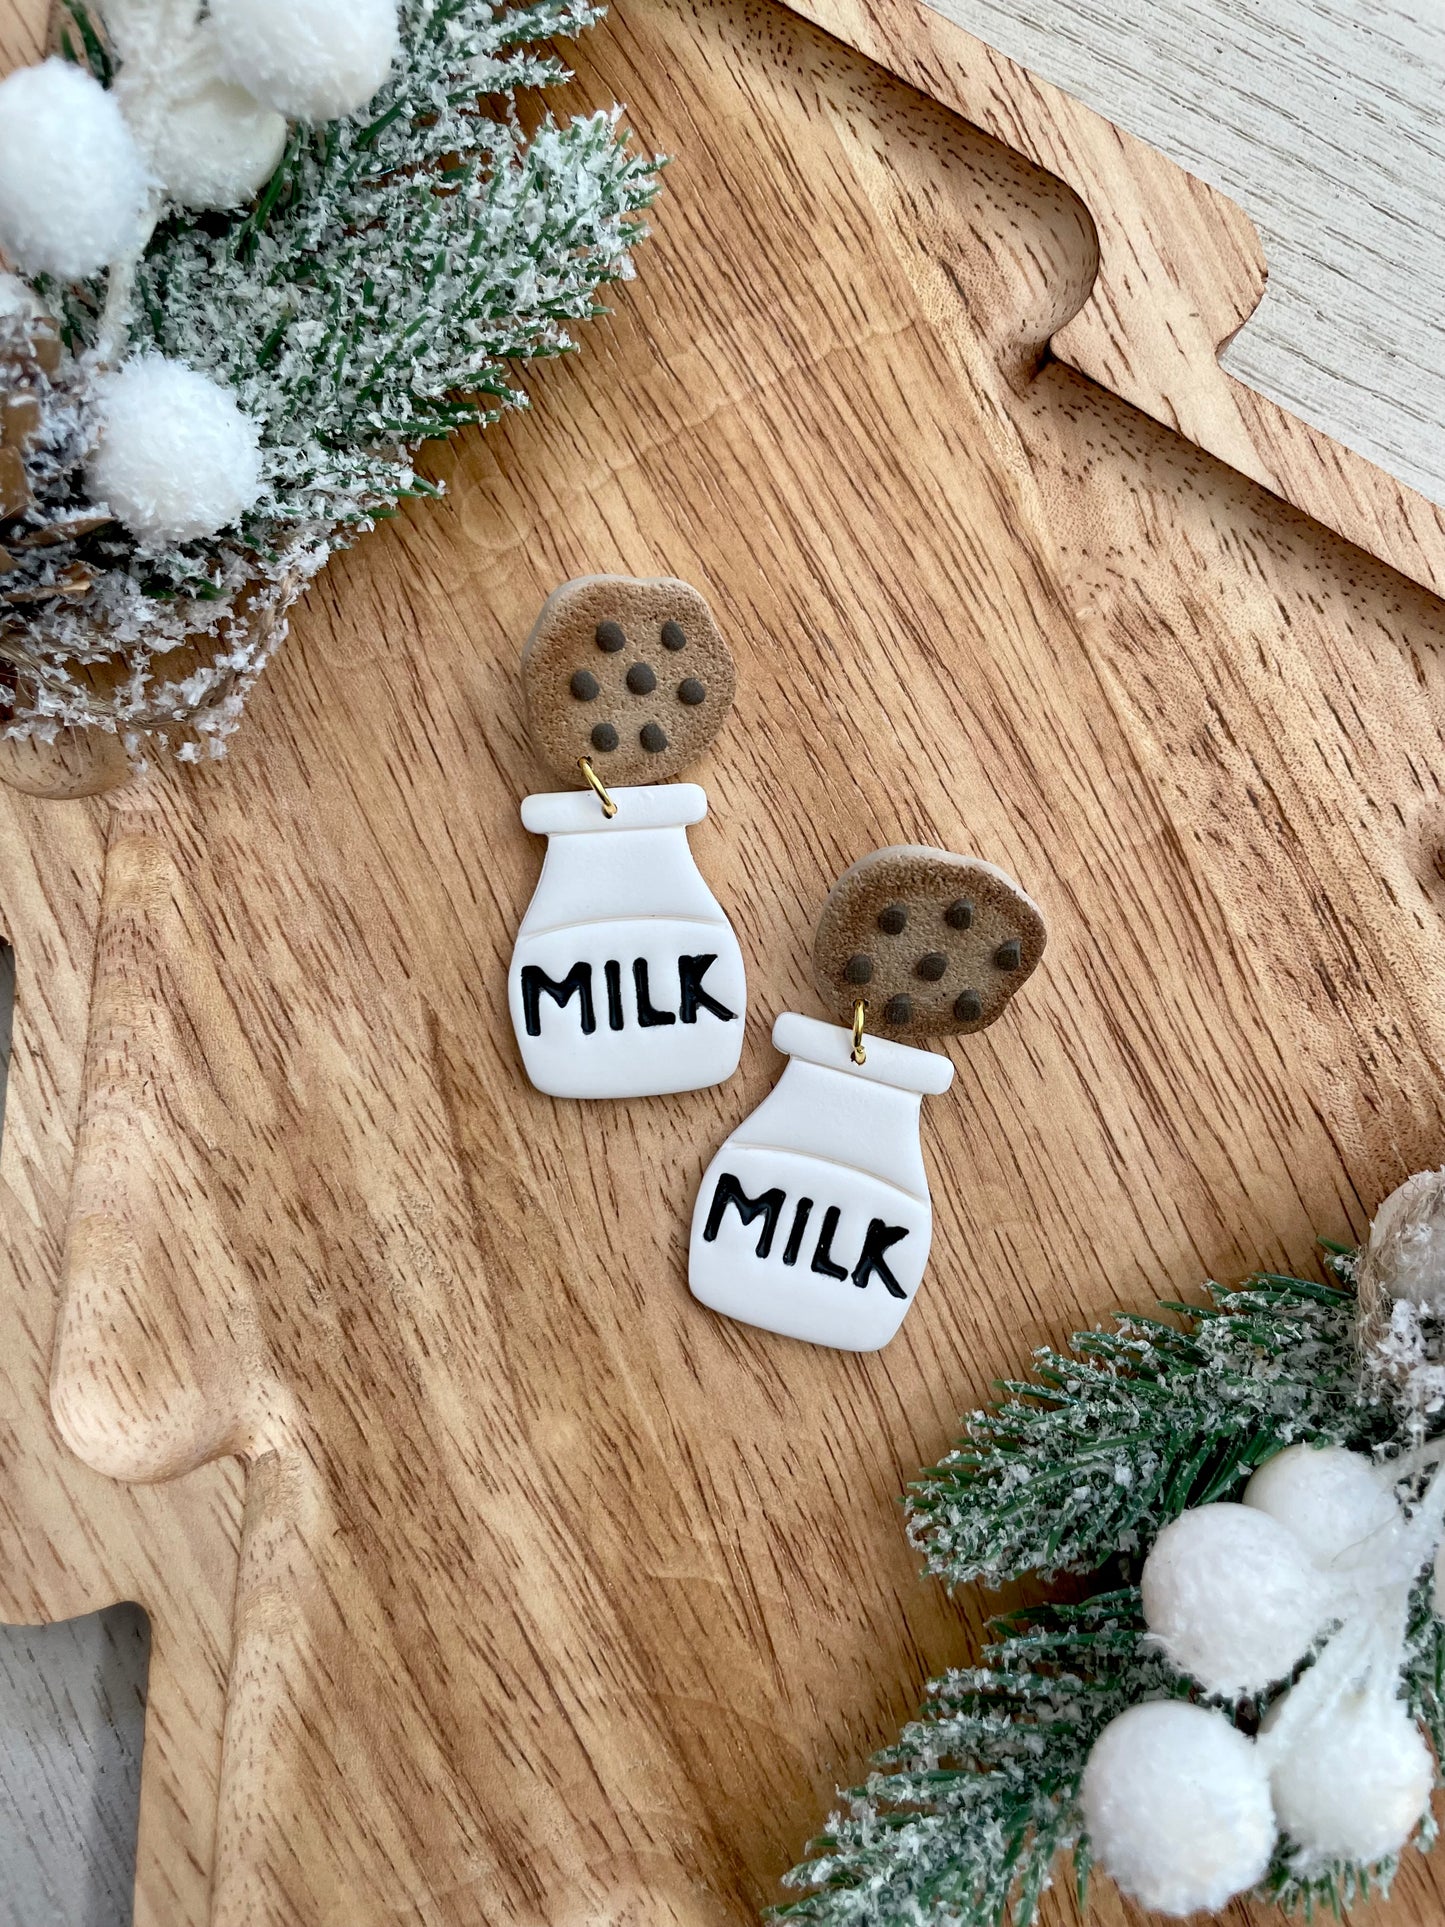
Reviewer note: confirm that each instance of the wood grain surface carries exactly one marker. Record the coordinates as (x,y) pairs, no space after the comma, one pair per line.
(529,1591)
(1321,119)
(1179,270)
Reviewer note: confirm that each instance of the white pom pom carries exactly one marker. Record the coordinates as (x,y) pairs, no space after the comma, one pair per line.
(1233,1598)
(1177,1807)
(217,147)
(73,185)
(1355,1783)
(177,458)
(1333,1501)
(209,142)
(309,59)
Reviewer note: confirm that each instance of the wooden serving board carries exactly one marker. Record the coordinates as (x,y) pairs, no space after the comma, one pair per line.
(492,1579)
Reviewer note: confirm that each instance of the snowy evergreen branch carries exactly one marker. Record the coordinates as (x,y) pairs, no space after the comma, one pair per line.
(1118,1435)
(378,292)
(398,262)
(963,1821)
(963,1818)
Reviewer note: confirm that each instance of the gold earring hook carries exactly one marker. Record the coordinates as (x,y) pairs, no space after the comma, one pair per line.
(858,1053)
(595,782)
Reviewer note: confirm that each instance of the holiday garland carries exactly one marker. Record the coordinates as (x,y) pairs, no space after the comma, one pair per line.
(1238,1706)
(272,247)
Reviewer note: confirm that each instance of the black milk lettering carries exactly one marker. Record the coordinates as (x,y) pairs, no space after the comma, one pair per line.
(693,998)
(646,1015)
(802,1211)
(823,1250)
(577,982)
(878,1240)
(881,1238)
(612,972)
(766,1206)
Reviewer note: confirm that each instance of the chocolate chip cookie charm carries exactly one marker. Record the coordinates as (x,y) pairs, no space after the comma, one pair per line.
(814,1218)
(627,980)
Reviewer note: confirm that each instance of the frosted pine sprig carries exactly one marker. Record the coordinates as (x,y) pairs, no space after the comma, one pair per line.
(962,1821)
(1118,1435)
(380,292)
(966,1820)
(376,297)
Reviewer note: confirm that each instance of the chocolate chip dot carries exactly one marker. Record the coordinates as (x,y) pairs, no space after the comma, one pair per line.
(585,686)
(1009,955)
(673,636)
(898,1010)
(859,970)
(959,914)
(968,1007)
(892,918)
(652,738)
(604,737)
(610,637)
(931,967)
(640,679)
(691,692)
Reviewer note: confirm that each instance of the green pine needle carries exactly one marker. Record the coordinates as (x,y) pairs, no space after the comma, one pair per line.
(391,279)
(965,1820)
(1132,1425)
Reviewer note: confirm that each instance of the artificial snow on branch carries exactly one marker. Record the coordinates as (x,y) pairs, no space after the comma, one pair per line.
(1255,1484)
(272,248)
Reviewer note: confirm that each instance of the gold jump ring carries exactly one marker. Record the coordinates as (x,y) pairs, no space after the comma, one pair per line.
(595,782)
(858,1053)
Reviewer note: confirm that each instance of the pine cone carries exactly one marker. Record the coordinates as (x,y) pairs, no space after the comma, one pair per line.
(45,522)
(1401,1284)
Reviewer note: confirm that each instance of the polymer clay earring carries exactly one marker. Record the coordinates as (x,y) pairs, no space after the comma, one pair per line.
(814,1218)
(626,979)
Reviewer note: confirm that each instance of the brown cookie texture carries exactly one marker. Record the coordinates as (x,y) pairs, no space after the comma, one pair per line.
(935,943)
(632,674)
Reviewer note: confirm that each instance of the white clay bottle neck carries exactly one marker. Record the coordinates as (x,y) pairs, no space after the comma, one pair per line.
(635,864)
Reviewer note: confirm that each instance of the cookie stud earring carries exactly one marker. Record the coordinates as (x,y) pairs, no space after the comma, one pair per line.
(814,1218)
(627,979)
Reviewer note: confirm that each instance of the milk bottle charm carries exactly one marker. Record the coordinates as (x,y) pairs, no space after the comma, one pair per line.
(626,980)
(814,1219)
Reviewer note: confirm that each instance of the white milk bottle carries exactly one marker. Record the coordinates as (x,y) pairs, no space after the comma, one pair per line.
(814,1219)
(627,979)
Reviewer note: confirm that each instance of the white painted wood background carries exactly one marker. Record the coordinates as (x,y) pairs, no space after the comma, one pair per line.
(72,1701)
(1322,119)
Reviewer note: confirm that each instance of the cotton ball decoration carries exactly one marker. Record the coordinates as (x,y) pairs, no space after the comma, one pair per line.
(218,147)
(73,185)
(211,143)
(1334,1502)
(1355,1782)
(311,60)
(176,457)
(1233,1598)
(1177,1807)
